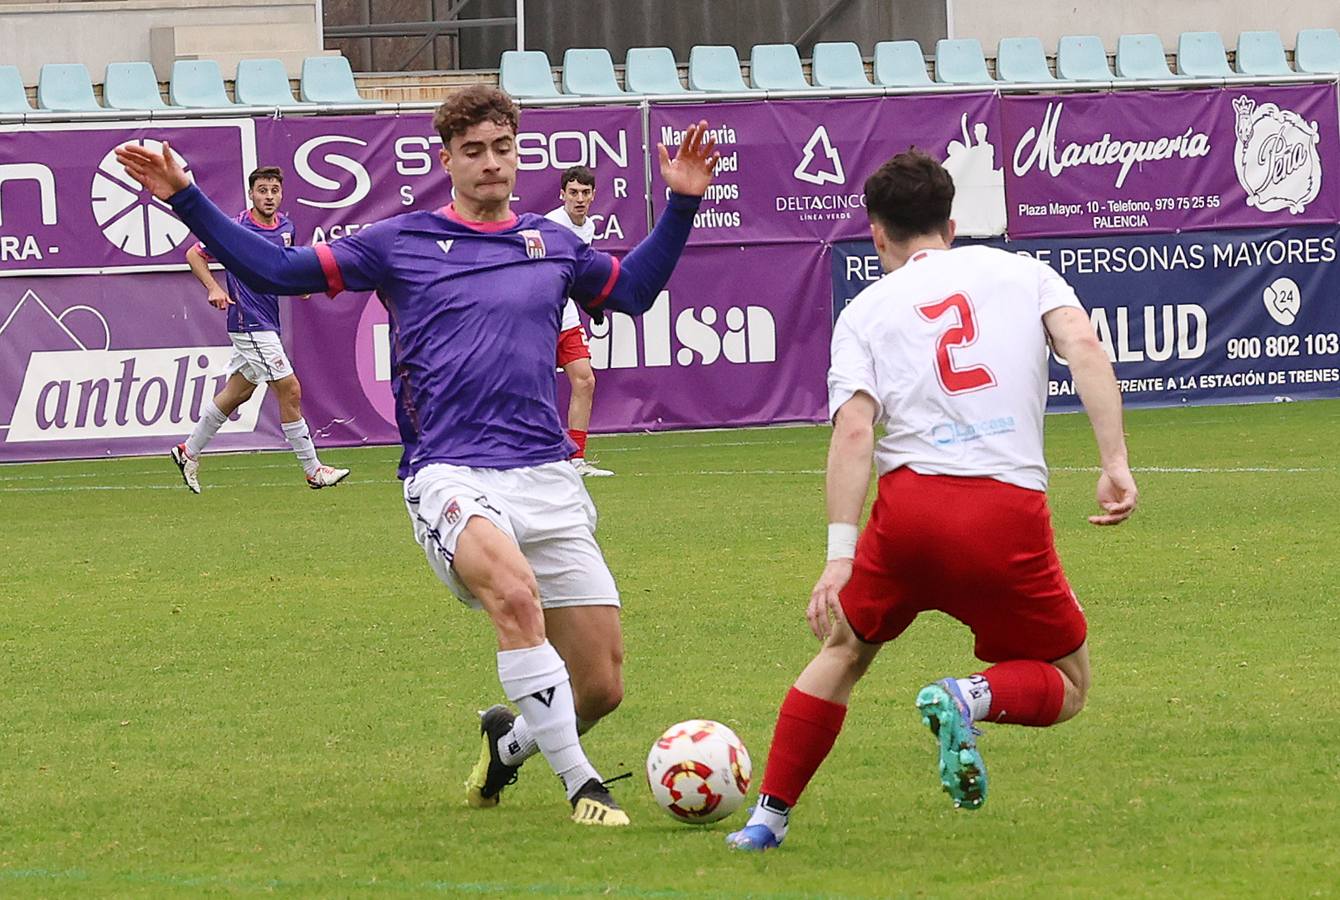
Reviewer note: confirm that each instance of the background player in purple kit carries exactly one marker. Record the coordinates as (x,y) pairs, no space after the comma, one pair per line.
(258,355)
(475,294)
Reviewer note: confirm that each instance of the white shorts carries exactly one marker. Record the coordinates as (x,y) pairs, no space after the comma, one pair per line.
(545,509)
(259,356)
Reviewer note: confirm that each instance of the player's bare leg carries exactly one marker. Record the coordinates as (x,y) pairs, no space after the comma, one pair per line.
(288,391)
(236,391)
(807,727)
(590,640)
(533,676)
(582,378)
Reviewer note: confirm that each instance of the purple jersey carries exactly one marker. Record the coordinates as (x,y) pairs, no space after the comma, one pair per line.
(252,310)
(474,311)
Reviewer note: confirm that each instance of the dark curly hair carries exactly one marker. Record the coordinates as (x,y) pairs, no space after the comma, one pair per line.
(910,195)
(472,105)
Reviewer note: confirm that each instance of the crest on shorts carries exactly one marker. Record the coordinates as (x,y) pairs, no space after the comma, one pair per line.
(452,514)
(1277,160)
(534,242)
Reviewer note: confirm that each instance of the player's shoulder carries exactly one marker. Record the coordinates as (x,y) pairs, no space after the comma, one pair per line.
(557,214)
(996,258)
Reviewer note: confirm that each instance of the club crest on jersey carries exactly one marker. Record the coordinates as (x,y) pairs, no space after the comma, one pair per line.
(534,243)
(288,239)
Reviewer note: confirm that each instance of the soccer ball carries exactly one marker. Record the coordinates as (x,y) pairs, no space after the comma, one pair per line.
(699,771)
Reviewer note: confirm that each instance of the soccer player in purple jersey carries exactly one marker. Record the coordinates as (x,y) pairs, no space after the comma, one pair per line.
(253,327)
(475,295)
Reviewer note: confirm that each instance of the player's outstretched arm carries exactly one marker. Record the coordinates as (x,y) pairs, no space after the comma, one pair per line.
(646,269)
(263,266)
(1073,338)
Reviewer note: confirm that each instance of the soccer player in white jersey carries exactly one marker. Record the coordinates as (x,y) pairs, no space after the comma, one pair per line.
(577,190)
(948,352)
(474,293)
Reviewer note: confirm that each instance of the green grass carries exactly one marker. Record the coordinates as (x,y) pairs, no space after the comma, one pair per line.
(263,689)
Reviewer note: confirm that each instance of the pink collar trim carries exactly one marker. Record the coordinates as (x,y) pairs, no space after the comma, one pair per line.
(450,212)
(251,212)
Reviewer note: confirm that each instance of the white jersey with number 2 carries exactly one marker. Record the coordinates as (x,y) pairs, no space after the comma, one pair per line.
(587,232)
(952,347)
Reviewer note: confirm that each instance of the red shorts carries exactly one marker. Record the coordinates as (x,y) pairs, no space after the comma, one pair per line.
(975,548)
(572,346)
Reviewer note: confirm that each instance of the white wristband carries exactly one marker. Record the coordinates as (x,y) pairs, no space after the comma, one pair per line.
(842,540)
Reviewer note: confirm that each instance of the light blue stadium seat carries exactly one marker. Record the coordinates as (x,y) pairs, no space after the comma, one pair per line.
(1200,54)
(263,82)
(838,64)
(1317,51)
(526,73)
(131,85)
(65,87)
(715,68)
(1141,56)
(329,79)
(589,73)
(776,67)
(1021,60)
(652,70)
(1261,53)
(197,83)
(900,64)
(960,61)
(13,97)
(1082,57)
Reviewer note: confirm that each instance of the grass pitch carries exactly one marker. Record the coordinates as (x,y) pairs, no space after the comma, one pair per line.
(263,689)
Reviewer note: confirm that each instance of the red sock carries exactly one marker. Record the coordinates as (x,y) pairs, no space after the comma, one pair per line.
(1025,692)
(578,438)
(806,729)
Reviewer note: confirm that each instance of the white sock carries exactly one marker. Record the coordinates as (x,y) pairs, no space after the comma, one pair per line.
(301,442)
(211,420)
(775,820)
(536,680)
(518,745)
(977,691)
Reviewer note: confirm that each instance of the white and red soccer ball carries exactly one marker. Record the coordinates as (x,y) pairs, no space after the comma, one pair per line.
(699,771)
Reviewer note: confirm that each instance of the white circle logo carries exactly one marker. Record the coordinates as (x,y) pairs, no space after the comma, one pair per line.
(137,226)
(1283,300)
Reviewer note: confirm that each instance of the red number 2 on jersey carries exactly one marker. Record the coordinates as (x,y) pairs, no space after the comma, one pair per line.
(963,334)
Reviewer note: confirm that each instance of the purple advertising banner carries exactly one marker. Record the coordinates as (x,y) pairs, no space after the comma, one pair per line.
(67,206)
(795,170)
(1150,161)
(345,172)
(114,366)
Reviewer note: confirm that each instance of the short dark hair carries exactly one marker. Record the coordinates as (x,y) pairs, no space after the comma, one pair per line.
(273,173)
(579,174)
(910,195)
(474,104)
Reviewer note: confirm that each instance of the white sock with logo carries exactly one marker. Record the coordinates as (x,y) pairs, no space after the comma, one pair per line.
(977,691)
(518,745)
(536,680)
(301,442)
(211,420)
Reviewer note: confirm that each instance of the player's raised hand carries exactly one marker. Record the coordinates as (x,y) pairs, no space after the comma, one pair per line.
(1117,496)
(824,607)
(160,173)
(690,172)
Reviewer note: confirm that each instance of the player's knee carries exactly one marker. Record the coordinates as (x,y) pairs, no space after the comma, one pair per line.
(516,608)
(601,698)
(584,382)
(1076,695)
(850,655)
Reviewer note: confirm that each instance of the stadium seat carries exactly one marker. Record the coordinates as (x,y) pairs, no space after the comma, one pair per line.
(715,68)
(1022,60)
(13,97)
(776,67)
(1082,57)
(1317,51)
(263,82)
(131,85)
(900,64)
(65,87)
(526,73)
(589,73)
(1141,56)
(960,61)
(197,83)
(1200,54)
(329,79)
(652,70)
(838,64)
(1261,53)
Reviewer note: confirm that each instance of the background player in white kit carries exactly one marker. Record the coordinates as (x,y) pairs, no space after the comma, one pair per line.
(577,190)
(949,353)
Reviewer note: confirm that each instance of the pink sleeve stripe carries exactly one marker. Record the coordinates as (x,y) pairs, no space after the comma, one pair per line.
(609,285)
(334,280)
